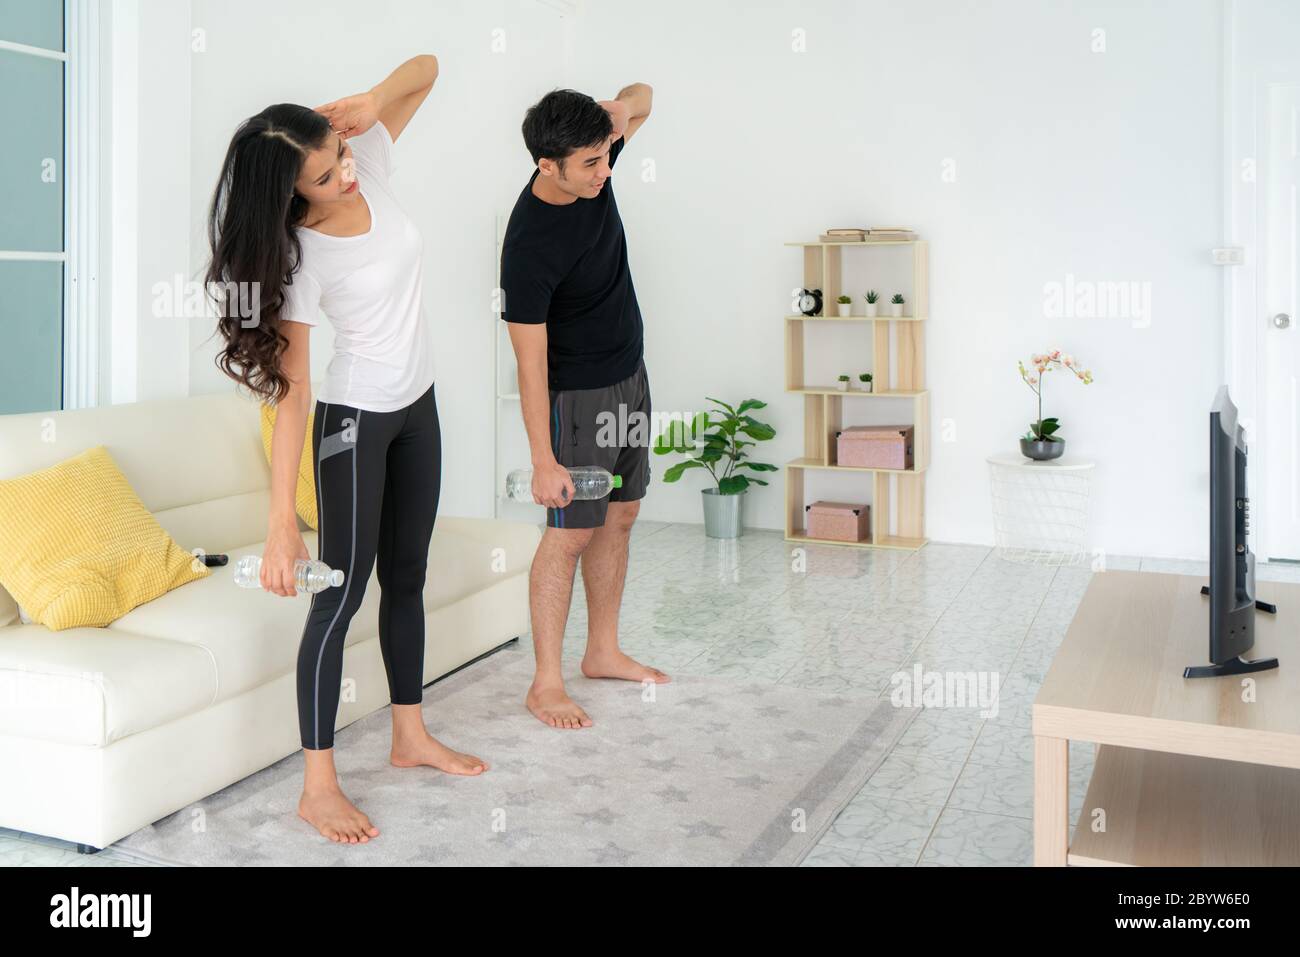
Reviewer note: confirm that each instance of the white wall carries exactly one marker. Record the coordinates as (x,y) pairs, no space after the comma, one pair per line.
(148,182)
(1102,165)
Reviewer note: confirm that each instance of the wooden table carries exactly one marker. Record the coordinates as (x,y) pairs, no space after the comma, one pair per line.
(1188,771)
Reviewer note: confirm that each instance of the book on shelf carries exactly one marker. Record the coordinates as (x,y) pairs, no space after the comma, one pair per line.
(873,238)
(874,234)
(843,236)
(883,233)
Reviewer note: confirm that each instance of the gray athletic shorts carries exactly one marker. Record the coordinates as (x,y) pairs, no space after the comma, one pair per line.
(602,427)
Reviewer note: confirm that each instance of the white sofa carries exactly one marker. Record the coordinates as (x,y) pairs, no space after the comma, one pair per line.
(104,730)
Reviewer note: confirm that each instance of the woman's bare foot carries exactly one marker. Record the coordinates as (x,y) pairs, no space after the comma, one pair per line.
(550,705)
(331,813)
(410,752)
(615,664)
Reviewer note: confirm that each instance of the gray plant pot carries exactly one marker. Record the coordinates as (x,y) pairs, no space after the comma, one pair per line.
(723,514)
(1042,451)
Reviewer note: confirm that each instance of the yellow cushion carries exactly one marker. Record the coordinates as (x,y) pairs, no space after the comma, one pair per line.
(305,497)
(78,547)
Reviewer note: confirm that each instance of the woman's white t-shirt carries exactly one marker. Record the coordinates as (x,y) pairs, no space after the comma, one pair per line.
(370,288)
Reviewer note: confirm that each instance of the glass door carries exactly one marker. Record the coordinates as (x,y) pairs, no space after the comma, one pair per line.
(33,256)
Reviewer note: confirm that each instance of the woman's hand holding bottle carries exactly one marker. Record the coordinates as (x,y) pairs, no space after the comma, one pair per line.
(284,546)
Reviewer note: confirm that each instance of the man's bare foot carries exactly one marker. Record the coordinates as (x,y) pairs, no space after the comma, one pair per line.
(337,818)
(615,664)
(413,753)
(550,705)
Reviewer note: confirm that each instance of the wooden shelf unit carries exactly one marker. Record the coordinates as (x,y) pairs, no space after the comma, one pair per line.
(824,404)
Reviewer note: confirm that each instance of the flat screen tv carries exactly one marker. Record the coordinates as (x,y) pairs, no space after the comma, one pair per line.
(1232,564)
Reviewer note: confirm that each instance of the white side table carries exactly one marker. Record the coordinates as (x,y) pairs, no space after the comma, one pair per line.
(1040,509)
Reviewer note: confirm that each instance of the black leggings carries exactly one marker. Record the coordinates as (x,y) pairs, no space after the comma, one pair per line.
(378,475)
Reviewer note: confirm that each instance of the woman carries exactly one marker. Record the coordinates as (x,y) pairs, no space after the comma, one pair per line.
(304,209)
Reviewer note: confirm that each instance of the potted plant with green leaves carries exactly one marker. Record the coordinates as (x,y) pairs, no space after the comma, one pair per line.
(872,298)
(717,440)
(846,306)
(1041,442)
(896,304)
(844,383)
(865,378)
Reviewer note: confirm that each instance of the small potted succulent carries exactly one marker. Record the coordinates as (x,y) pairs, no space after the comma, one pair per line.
(846,306)
(896,304)
(872,297)
(844,383)
(865,378)
(1041,443)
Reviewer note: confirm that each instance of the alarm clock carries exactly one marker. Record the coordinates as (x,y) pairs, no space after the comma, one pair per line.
(809,301)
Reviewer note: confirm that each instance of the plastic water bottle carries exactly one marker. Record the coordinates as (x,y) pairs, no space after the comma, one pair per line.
(589,481)
(309,576)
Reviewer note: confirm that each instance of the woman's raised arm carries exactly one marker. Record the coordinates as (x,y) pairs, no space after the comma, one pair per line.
(392,101)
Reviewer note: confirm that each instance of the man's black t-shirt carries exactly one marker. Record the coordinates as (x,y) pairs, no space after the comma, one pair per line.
(566,266)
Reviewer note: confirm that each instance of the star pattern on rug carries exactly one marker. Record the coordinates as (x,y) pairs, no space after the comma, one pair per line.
(699,701)
(661,764)
(526,796)
(514,837)
(703,829)
(646,738)
(432,778)
(242,856)
(753,782)
(673,795)
(433,810)
(611,853)
(600,816)
(433,853)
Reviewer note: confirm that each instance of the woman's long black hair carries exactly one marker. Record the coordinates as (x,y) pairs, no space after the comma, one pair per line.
(254,249)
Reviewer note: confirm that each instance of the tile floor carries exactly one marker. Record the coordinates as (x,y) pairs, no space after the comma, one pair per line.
(957,788)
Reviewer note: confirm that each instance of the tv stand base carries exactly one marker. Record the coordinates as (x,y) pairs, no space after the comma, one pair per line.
(1233,666)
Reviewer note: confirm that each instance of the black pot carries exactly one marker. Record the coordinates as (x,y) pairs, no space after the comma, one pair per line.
(1042,451)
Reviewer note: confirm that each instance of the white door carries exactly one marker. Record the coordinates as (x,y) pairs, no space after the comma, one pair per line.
(1262,216)
(1279,337)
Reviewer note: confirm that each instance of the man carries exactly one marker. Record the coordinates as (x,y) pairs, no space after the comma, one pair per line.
(577,335)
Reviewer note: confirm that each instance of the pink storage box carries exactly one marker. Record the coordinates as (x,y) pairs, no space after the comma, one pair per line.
(875,446)
(838,521)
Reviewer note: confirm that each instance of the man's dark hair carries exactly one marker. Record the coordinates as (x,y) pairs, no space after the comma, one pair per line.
(563,121)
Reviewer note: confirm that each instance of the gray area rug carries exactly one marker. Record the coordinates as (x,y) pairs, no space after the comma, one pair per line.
(711,772)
